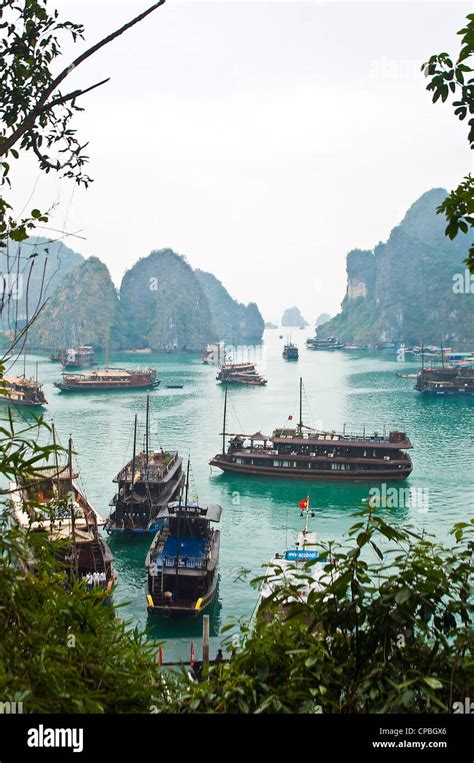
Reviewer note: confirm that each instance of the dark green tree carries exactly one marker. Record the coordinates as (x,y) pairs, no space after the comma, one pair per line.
(455,77)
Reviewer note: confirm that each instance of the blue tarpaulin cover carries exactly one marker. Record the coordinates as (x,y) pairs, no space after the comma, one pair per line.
(190,547)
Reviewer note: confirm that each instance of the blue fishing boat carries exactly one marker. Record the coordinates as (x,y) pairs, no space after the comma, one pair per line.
(183,559)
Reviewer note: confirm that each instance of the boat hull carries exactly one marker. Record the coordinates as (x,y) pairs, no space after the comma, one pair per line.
(183,611)
(104,387)
(378,475)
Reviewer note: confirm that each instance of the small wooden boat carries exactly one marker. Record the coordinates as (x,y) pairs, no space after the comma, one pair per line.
(240,373)
(290,351)
(53,503)
(18,390)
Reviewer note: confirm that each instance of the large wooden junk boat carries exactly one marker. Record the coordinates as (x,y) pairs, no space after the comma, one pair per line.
(19,390)
(306,453)
(53,503)
(183,559)
(331,343)
(108,379)
(79,357)
(448,381)
(240,373)
(145,484)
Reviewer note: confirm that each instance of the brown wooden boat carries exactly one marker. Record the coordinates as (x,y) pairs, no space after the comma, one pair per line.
(306,453)
(54,503)
(108,379)
(19,390)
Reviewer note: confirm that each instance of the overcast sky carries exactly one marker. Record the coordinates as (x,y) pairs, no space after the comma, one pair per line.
(263,140)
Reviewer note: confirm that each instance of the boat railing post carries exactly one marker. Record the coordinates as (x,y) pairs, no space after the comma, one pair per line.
(205,643)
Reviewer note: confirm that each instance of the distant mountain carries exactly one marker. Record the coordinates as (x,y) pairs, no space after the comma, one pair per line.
(405,289)
(41,265)
(232,321)
(82,309)
(292,318)
(322,318)
(163,305)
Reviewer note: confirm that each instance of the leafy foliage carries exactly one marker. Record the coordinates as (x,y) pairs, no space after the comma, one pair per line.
(62,648)
(456,78)
(391,632)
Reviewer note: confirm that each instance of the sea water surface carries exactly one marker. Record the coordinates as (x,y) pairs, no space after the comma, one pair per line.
(355,389)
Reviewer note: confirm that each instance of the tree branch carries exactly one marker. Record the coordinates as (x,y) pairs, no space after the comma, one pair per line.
(70,97)
(29,120)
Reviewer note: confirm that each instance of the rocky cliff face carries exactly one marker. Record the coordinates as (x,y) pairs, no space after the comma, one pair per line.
(82,309)
(163,306)
(322,318)
(404,290)
(292,318)
(41,265)
(232,321)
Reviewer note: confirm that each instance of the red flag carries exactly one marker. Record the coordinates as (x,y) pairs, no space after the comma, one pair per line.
(191,662)
(160,656)
(304,503)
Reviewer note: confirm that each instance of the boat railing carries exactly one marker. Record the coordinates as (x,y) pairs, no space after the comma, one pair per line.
(188,562)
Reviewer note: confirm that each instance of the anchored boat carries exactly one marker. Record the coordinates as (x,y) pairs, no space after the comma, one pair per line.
(19,390)
(447,381)
(291,569)
(145,484)
(290,351)
(240,373)
(53,503)
(304,452)
(108,379)
(78,357)
(331,343)
(183,559)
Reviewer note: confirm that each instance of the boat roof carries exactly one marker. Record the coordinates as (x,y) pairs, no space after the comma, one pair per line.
(20,380)
(211,513)
(158,467)
(107,373)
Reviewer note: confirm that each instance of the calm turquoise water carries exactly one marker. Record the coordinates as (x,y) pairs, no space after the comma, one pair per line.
(351,388)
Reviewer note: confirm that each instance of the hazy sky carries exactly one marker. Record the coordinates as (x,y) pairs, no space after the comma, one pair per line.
(263,140)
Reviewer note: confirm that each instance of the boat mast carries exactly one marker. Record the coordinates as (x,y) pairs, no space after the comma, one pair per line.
(300,425)
(147,430)
(134,453)
(422,356)
(53,429)
(224,422)
(306,522)
(73,518)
